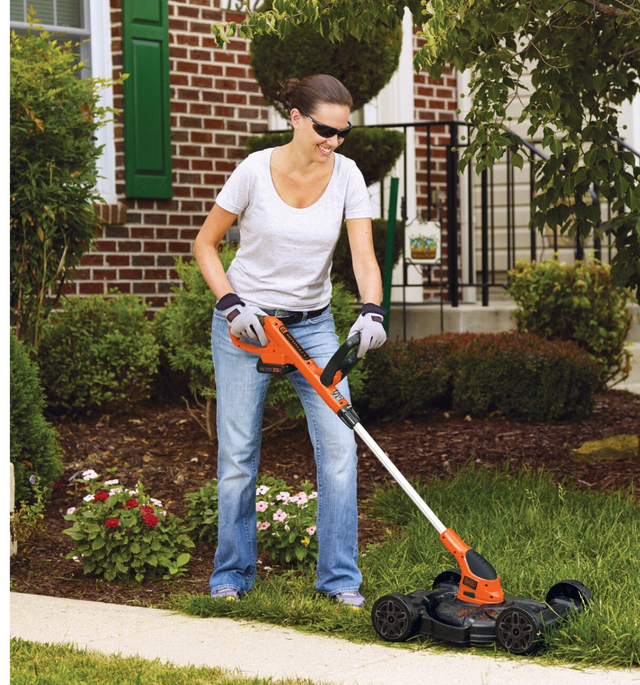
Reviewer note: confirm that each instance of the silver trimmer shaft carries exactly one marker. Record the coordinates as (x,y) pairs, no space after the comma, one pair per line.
(399,478)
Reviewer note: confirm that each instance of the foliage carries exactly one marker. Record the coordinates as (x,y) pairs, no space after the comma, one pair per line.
(342,266)
(518,375)
(584,62)
(54,119)
(34,451)
(364,65)
(28,519)
(525,377)
(287,522)
(98,353)
(575,302)
(126,534)
(202,512)
(374,150)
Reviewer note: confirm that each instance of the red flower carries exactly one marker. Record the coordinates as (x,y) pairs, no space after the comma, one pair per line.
(146,509)
(131,503)
(112,523)
(150,520)
(100,496)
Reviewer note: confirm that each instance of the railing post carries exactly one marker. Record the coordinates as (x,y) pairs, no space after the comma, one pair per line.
(532,192)
(452,213)
(485,238)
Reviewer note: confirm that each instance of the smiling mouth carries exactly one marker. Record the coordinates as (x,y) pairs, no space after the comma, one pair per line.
(325,150)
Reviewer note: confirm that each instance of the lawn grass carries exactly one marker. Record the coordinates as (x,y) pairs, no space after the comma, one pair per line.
(534,532)
(33,663)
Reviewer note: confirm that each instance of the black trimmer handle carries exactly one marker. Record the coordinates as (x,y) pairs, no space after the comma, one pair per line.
(344,359)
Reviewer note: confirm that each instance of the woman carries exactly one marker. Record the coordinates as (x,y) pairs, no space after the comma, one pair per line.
(290,202)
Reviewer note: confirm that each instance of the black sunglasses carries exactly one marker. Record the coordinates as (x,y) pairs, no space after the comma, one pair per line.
(327,131)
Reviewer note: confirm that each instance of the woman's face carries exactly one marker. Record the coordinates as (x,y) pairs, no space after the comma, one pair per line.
(318,147)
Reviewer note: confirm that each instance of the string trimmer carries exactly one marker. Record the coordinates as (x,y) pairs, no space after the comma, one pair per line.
(466,605)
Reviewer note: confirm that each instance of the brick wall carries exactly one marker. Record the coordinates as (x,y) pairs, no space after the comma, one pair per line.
(215,105)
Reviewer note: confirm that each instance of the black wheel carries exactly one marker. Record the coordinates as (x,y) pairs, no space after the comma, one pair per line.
(518,631)
(569,590)
(395,617)
(452,576)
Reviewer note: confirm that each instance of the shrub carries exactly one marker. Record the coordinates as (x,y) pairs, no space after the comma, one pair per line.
(34,449)
(287,522)
(342,265)
(184,329)
(202,512)
(363,66)
(98,353)
(408,377)
(54,119)
(126,534)
(374,150)
(521,376)
(575,302)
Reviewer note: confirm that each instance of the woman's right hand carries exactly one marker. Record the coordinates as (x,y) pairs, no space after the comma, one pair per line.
(243,318)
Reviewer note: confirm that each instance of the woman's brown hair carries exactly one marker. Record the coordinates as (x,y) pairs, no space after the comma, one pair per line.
(314,90)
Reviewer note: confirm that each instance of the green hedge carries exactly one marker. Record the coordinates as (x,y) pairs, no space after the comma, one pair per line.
(98,353)
(517,375)
(374,150)
(576,302)
(34,449)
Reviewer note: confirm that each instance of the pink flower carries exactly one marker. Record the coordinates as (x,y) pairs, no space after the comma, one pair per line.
(262,490)
(311,530)
(70,511)
(111,482)
(279,515)
(313,495)
(283,497)
(300,499)
(262,505)
(263,525)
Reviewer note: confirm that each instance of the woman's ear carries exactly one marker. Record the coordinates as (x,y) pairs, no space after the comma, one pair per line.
(295,117)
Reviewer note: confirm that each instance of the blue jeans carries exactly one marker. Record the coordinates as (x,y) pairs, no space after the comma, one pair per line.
(241,393)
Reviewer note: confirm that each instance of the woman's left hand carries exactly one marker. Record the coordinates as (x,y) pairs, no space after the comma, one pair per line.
(369,325)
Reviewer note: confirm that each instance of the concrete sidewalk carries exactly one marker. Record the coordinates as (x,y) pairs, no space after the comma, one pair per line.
(258,649)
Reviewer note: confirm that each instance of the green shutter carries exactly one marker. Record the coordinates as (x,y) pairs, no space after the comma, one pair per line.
(147,122)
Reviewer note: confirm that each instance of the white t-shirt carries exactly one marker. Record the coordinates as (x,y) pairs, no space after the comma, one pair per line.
(285,254)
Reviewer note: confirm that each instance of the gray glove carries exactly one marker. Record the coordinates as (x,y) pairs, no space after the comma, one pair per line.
(243,318)
(369,325)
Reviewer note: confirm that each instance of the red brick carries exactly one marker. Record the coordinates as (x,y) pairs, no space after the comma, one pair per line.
(202,165)
(103,274)
(215,124)
(150,246)
(183,11)
(212,69)
(155,274)
(143,260)
(178,53)
(188,94)
(189,233)
(201,82)
(219,55)
(186,66)
(142,288)
(199,27)
(226,84)
(91,288)
(201,137)
(131,274)
(180,248)
(118,260)
(106,246)
(187,39)
(92,259)
(200,108)
(200,55)
(167,233)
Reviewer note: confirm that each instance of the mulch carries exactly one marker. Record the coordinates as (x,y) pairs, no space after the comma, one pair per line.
(165,446)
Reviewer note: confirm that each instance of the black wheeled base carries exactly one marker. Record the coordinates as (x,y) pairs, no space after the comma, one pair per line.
(517,624)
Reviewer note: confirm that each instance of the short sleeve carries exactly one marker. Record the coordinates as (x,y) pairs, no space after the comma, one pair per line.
(236,192)
(357,202)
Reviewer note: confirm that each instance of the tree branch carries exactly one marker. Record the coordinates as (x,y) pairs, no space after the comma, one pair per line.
(605,10)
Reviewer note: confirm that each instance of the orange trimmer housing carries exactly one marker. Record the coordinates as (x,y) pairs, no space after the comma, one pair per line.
(284,354)
(479,582)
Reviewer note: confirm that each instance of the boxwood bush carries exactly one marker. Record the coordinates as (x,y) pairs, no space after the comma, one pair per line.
(98,353)
(517,375)
(34,449)
(576,302)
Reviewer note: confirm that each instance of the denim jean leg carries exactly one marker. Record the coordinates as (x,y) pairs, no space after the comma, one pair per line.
(336,462)
(241,394)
